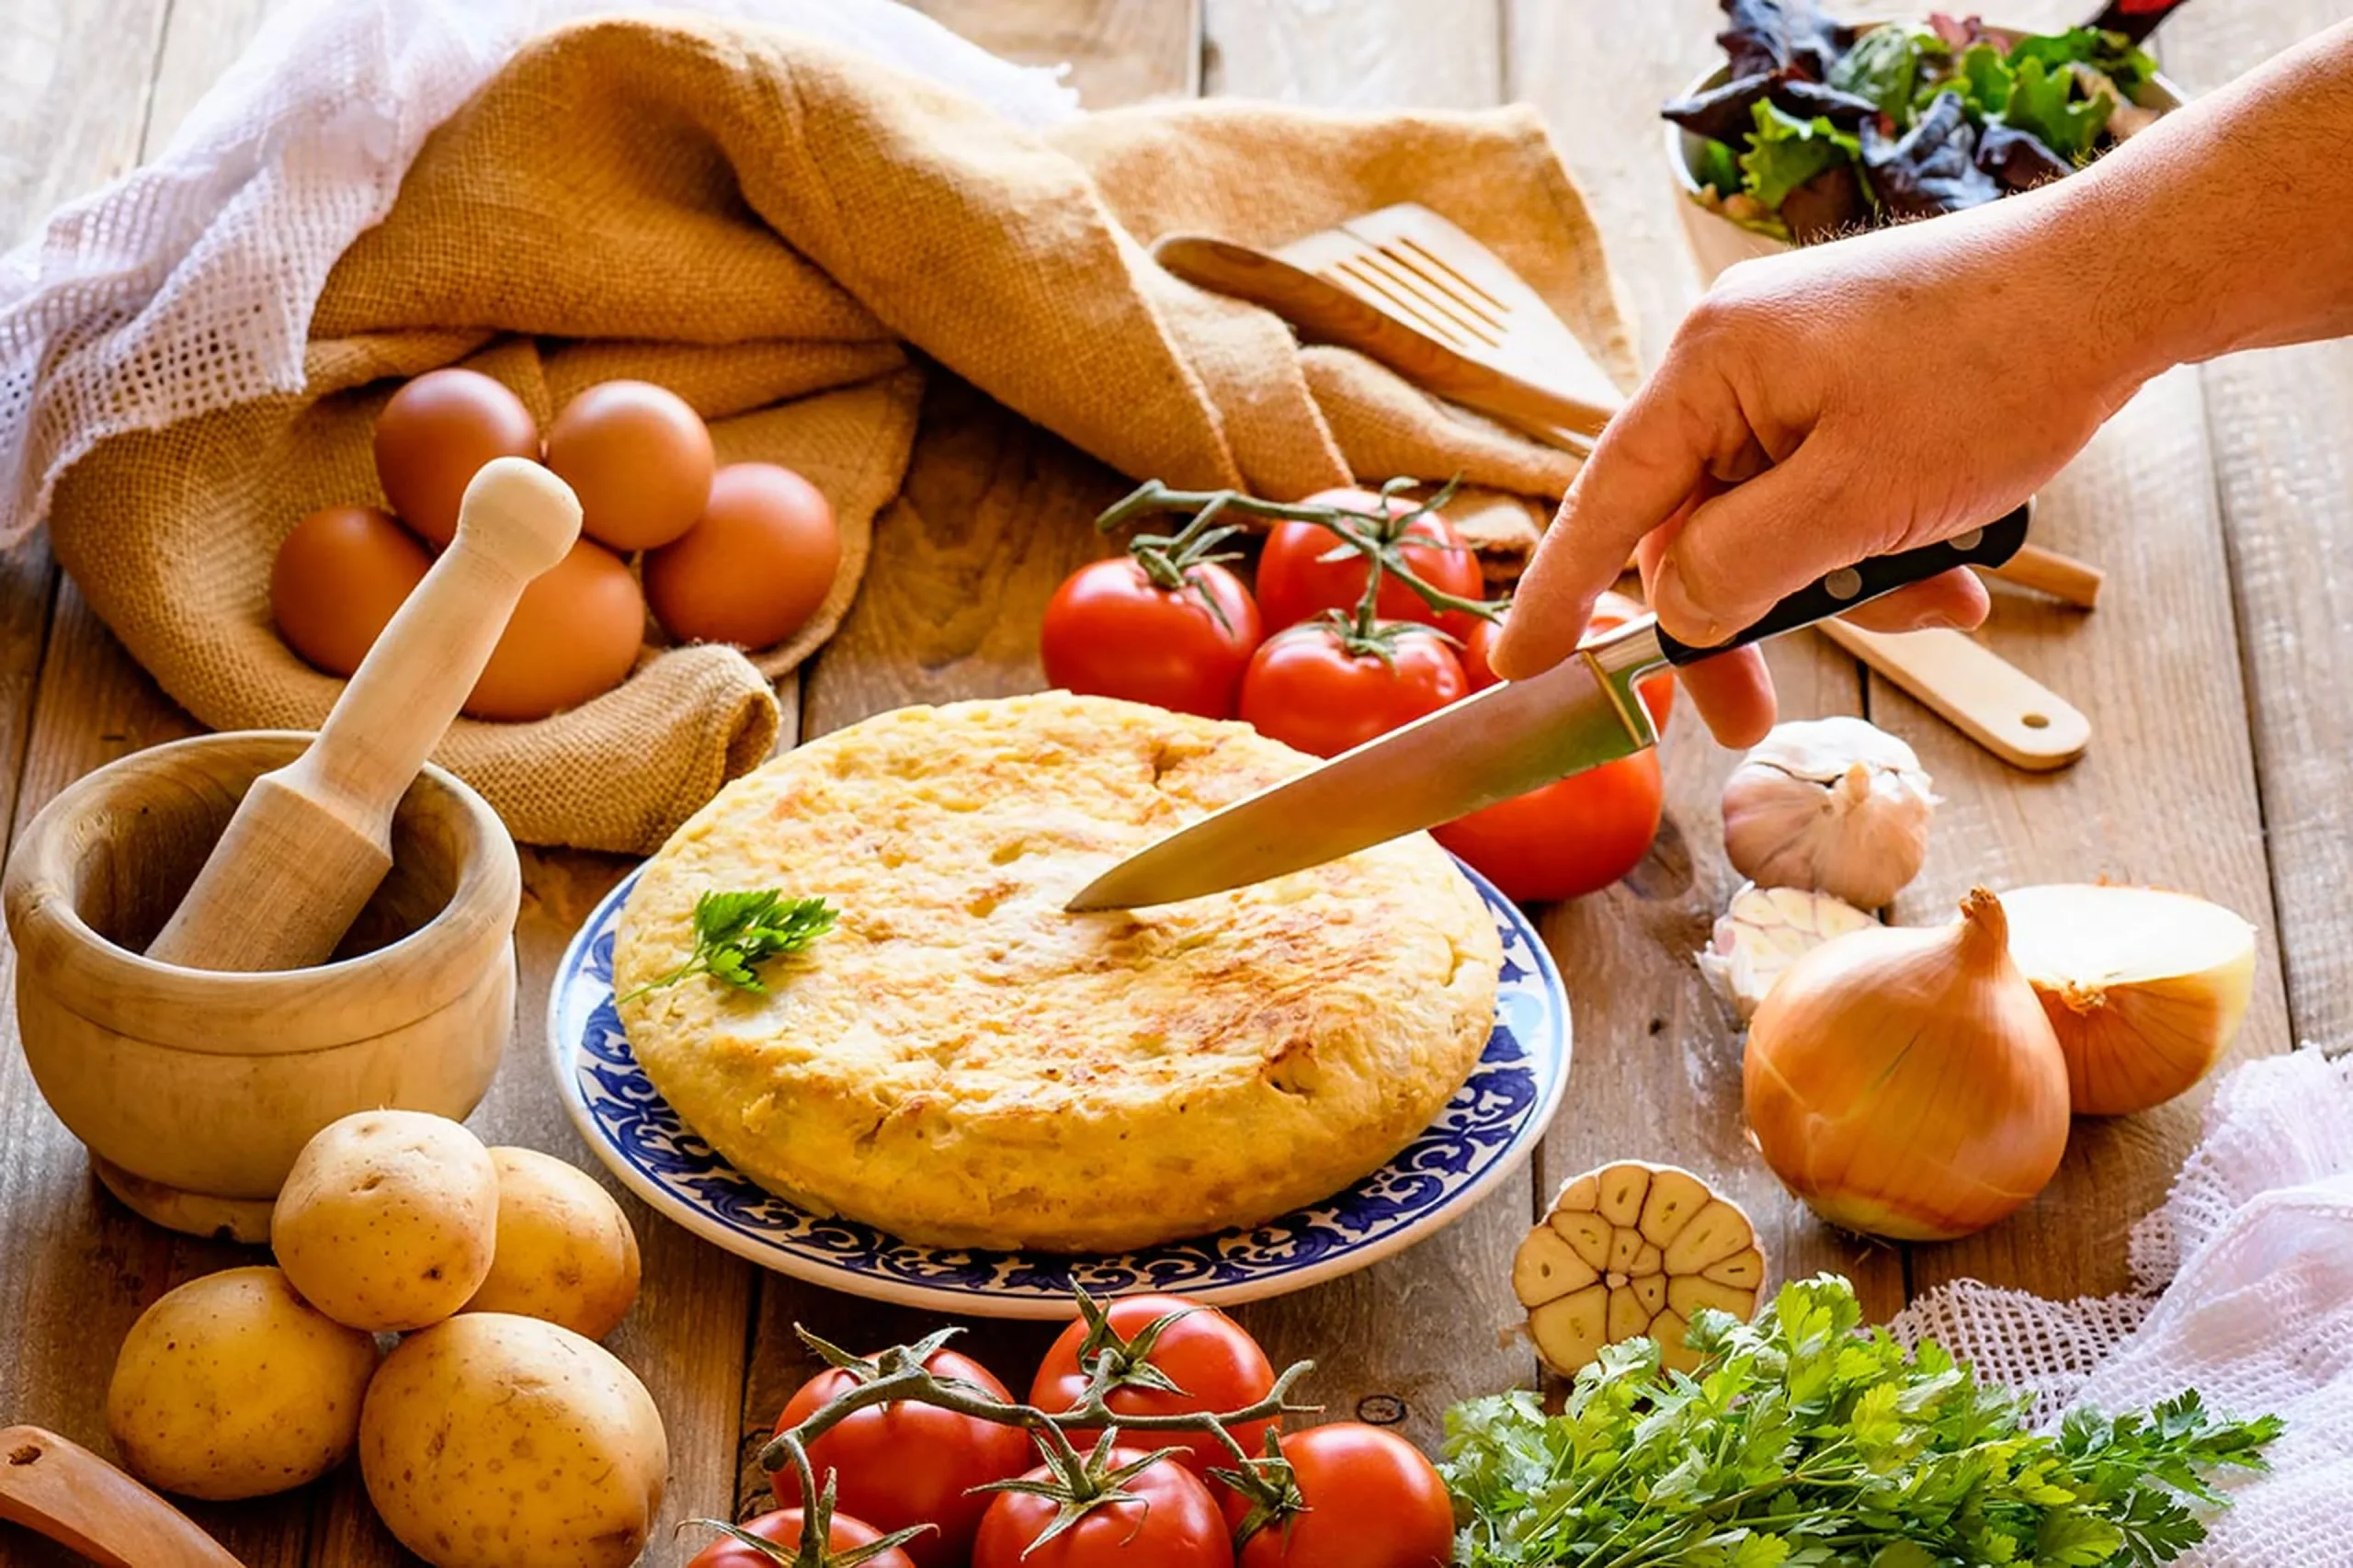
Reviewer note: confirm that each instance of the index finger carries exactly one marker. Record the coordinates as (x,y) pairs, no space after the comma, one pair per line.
(1647,467)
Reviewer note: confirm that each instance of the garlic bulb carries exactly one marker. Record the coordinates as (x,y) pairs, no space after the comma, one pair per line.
(2146,989)
(1907,1082)
(1630,1249)
(1762,931)
(1837,805)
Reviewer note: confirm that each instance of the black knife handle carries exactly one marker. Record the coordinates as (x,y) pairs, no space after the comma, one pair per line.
(1866,580)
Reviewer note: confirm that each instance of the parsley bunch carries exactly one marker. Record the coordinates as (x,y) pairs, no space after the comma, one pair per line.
(1803,1441)
(737,932)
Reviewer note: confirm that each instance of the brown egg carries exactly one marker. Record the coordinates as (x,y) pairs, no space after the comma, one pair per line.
(639,459)
(337,579)
(573,634)
(433,435)
(757,565)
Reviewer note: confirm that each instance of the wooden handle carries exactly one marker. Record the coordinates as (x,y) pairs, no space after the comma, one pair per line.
(85,1504)
(1328,314)
(310,841)
(1980,693)
(2047,571)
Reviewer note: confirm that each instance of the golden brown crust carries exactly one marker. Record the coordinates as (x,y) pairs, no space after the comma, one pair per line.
(963,1065)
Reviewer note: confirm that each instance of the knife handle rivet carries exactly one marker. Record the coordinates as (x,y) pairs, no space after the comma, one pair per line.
(1968,540)
(1843,583)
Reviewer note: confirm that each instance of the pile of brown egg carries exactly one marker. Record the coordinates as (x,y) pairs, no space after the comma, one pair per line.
(742,553)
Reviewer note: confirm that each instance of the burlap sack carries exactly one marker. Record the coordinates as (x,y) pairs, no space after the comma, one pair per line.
(763,223)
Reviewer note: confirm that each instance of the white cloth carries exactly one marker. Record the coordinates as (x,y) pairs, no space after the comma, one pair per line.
(188,284)
(2247,1281)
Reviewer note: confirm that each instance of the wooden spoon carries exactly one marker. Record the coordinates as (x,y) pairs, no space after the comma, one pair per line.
(310,841)
(85,1504)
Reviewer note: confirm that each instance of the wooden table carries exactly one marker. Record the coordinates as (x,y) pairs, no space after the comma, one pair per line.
(2214,672)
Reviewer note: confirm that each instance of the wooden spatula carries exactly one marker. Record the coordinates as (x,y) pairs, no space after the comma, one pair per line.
(85,1504)
(310,841)
(1406,288)
(1976,690)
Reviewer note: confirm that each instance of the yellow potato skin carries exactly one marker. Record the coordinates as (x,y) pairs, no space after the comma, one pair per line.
(565,1250)
(233,1386)
(497,1441)
(388,1219)
(963,1064)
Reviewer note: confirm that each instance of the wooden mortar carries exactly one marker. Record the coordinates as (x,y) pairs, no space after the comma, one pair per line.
(195,1089)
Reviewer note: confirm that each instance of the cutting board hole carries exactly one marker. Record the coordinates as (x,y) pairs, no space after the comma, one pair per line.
(2036,721)
(28,1454)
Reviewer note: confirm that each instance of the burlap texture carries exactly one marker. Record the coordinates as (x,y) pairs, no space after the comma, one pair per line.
(765,223)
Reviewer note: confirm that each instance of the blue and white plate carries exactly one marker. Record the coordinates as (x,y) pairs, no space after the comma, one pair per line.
(1481,1136)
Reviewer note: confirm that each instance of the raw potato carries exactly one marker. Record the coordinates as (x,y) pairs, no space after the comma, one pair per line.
(233,1386)
(566,1250)
(1633,1249)
(497,1441)
(388,1219)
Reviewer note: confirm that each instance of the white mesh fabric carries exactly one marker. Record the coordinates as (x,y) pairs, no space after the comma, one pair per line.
(188,284)
(2249,1267)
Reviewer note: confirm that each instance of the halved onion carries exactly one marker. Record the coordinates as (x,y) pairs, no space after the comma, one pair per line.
(1633,1249)
(2144,988)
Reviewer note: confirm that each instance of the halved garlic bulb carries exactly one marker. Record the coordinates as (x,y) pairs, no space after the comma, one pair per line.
(1763,931)
(2144,988)
(1633,1249)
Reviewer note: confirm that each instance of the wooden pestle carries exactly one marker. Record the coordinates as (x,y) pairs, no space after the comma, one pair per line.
(85,1504)
(310,841)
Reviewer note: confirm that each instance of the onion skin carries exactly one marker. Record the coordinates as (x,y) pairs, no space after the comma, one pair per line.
(1907,1082)
(2145,988)
(2131,1051)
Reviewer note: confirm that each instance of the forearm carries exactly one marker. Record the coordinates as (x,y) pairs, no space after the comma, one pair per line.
(2223,226)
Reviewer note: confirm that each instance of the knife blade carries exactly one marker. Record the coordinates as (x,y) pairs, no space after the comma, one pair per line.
(1488,747)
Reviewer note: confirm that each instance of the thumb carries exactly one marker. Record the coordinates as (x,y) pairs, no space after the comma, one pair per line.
(1642,471)
(1742,549)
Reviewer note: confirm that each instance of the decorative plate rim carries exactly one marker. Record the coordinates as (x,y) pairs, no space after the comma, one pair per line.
(567,1045)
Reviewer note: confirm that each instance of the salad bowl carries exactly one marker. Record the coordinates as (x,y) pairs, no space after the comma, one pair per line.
(1717,241)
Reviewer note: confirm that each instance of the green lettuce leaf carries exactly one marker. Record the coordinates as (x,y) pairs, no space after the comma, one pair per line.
(1717,167)
(1885,66)
(2042,103)
(1787,151)
(1983,80)
(2110,54)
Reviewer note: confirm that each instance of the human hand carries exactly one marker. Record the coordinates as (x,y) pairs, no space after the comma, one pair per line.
(1817,408)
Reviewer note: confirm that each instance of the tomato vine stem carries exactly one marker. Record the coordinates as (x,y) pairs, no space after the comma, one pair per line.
(1379,535)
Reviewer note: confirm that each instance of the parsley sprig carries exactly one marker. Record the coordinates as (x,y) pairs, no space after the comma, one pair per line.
(737,932)
(1804,1443)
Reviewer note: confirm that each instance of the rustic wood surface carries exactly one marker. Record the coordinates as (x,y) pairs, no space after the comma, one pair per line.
(2213,672)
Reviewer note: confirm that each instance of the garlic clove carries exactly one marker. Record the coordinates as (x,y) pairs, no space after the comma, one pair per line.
(1763,931)
(1630,1249)
(1546,1268)
(1587,1231)
(1834,805)
(2144,988)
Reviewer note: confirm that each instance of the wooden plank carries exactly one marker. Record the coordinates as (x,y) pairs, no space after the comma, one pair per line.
(77,85)
(995,513)
(1657,1062)
(1397,1343)
(2165,795)
(94,1266)
(1118,51)
(1374,54)
(74,95)
(2168,793)
(2276,421)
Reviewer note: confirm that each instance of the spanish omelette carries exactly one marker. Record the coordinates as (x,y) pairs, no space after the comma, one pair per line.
(963,1064)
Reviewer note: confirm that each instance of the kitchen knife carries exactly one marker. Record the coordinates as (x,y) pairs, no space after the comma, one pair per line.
(1489,747)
